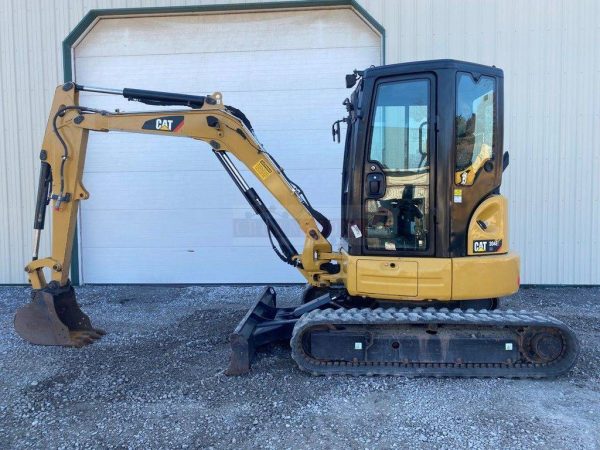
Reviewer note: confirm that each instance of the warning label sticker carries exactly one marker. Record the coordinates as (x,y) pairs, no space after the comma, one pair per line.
(262,169)
(356,231)
(457,195)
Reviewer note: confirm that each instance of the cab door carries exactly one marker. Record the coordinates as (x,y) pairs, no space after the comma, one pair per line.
(398,188)
(477,147)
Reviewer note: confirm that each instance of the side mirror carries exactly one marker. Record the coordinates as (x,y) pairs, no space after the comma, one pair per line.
(505,160)
(351,80)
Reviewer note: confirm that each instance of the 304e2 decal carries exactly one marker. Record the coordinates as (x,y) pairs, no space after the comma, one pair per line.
(487,246)
(167,123)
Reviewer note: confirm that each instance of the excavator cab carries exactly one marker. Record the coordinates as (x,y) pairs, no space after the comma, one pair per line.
(423,151)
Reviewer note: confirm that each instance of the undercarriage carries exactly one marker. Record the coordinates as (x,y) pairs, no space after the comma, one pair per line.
(328,338)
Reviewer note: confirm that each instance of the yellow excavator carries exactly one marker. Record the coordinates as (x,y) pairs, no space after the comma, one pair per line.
(424,257)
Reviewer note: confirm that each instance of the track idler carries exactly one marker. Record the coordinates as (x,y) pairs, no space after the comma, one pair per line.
(53,317)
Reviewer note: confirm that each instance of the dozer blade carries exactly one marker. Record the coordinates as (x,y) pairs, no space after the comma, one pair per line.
(261,325)
(53,317)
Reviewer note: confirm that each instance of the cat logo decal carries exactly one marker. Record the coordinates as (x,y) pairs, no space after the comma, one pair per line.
(171,124)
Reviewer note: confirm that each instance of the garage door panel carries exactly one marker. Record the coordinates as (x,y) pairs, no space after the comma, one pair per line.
(312,110)
(162,210)
(127,152)
(191,189)
(271,70)
(225,32)
(305,149)
(189,229)
(147,265)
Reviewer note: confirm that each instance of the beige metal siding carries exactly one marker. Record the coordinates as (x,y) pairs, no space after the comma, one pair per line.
(548,50)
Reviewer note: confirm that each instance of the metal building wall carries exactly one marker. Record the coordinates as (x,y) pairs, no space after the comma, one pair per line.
(548,50)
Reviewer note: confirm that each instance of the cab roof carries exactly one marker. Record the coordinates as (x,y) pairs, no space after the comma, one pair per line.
(431,66)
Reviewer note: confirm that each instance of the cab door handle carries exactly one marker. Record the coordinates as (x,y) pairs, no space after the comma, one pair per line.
(375,185)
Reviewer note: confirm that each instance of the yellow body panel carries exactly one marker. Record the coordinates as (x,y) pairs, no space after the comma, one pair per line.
(493,212)
(488,276)
(398,278)
(380,276)
(470,277)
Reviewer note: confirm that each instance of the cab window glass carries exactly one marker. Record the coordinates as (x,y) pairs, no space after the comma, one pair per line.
(398,220)
(399,130)
(475,125)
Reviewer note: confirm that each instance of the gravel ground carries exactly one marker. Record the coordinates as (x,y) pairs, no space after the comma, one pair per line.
(156,381)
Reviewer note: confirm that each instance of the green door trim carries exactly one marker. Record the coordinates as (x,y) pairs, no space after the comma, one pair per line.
(90,18)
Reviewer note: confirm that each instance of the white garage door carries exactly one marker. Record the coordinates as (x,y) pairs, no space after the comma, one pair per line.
(162,210)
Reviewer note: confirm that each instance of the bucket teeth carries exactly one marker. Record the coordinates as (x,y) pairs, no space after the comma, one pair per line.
(81,338)
(53,317)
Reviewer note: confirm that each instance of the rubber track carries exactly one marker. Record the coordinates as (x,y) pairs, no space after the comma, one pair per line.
(401,316)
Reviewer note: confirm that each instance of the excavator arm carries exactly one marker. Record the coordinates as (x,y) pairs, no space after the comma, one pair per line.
(53,317)
(225,129)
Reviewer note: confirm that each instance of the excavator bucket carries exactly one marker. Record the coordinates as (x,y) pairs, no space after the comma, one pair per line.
(54,318)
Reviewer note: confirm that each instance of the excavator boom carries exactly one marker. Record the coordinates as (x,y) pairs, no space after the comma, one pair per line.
(224,128)
(53,317)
